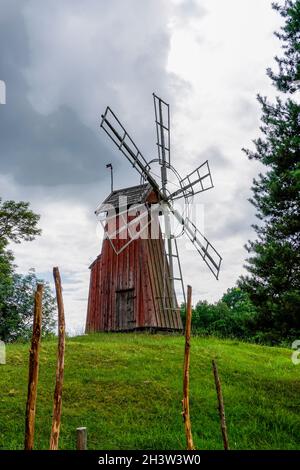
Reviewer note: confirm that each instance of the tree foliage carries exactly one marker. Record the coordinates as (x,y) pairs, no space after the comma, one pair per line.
(17,315)
(19,223)
(288,65)
(233,316)
(273,280)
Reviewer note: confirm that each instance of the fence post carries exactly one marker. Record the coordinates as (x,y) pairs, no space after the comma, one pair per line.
(57,405)
(33,369)
(221,405)
(81,439)
(186,373)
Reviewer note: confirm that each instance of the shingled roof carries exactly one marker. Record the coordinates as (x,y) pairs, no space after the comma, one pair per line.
(134,194)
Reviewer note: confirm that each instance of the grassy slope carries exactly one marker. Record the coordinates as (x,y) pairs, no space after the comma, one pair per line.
(126,389)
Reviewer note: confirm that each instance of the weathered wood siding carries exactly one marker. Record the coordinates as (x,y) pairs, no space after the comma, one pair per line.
(139,269)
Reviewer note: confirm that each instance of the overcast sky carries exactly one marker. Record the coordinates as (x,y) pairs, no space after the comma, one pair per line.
(63,62)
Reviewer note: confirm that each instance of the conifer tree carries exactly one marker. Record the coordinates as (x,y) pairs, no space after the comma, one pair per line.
(273,279)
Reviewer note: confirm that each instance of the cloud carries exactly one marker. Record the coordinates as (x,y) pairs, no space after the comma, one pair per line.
(245,112)
(187,12)
(41,149)
(101,53)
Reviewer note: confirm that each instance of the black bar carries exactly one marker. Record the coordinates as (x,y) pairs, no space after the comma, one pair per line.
(135,459)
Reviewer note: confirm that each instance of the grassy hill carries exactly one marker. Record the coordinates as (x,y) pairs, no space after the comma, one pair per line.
(127,390)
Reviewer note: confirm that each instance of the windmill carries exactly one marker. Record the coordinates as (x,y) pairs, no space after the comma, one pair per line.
(132,284)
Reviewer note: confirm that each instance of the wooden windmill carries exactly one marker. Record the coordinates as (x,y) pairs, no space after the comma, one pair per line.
(132,283)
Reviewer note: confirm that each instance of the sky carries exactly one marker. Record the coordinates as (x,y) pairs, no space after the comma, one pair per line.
(63,62)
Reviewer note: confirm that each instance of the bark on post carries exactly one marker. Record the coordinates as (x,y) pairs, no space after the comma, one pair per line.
(33,369)
(81,439)
(220,405)
(57,405)
(186,373)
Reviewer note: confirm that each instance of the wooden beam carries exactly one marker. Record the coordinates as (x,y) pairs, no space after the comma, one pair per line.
(186,373)
(33,369)
(57,405)
(220,405)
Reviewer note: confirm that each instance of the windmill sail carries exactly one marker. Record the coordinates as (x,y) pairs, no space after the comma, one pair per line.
(118,134)
(205,249)
(195,182)
(162,121)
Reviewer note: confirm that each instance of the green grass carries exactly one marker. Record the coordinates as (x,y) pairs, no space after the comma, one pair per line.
(127,390)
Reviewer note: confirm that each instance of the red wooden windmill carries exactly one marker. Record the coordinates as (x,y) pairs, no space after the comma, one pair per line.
(132,284)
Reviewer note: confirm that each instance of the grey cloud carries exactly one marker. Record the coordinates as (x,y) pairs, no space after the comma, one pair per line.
(245,113)
(233,218)
(38,149)
(51,150)
(64,145)
(120,60)
(190,9)
(215,157)
(238,223)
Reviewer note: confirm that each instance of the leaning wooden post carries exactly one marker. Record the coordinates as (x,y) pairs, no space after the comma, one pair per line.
(57,405)
(186,373)
(81,439)
(33,369)
(220,405)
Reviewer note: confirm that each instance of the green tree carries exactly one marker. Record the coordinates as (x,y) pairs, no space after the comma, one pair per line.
(16,321)
(274,262)
(17,223)
(289,65)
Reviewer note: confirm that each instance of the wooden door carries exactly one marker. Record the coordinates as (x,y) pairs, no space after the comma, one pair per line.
(125,314)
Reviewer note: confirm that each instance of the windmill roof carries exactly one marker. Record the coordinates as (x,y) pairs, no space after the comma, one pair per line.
(134,194)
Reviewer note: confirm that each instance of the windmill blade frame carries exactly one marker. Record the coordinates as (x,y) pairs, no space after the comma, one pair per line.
(118,134)
(162,122)
(200,177)
(205,249)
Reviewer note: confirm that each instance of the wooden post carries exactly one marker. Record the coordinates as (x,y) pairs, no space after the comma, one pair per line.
(81,439)
(57,405)
(186,373)
(220,405)
(33,369)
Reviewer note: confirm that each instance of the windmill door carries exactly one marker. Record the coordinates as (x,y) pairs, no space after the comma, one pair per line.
(125,315)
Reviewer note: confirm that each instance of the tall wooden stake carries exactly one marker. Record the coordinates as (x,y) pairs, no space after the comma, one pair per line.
(33,369)
(57,405)
(221,405)
(186,373)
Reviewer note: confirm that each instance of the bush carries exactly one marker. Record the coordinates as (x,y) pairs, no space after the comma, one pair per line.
(234,316)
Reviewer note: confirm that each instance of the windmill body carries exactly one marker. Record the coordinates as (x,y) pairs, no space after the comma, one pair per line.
(131,288)
(132,283)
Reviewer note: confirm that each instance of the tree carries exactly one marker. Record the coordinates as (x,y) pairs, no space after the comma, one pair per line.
(232,316)
(273,282)
(6,280)
(289,65)
(17,223)
(16,321)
